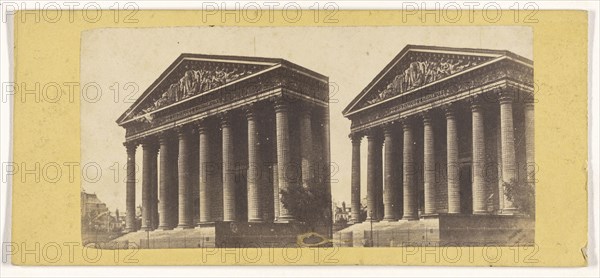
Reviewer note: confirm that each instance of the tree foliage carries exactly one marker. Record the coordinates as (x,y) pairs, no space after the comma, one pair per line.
(308,205)
(363,212)
(522,195)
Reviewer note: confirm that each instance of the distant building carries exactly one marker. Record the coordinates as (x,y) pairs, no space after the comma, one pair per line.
(90,204)
(95,215)
(342,214)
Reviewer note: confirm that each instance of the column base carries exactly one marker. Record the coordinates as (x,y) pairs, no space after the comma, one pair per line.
(509,211)
(430,215)
(484,212)
(205,224)
(164,228)
(354,220)
(183,227)
(372,220)
(410,218)
(286,219)
(390,219)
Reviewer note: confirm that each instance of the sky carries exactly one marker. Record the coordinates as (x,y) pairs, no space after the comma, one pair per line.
(118,64)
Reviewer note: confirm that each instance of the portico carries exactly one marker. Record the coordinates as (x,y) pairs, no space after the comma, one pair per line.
(451,126)
(220,139)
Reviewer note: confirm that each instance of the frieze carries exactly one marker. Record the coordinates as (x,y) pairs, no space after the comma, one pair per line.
(308,87)
(200,105)
(229,94)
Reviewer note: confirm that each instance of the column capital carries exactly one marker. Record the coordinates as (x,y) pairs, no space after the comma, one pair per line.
(449,109)
(149,141)
(390,126)
(130,146)
(251,110)
(425,117)
(355,137)
(529,104)
(406,123)
(373,133)
(181,130)
(225,118)
(506,97)
(307,108)
(529,99)
(201,125)
(306,111)
(165,136)
(281,104)
(475,102)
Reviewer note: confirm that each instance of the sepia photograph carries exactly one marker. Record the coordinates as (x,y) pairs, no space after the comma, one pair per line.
(338,139)
(224,137)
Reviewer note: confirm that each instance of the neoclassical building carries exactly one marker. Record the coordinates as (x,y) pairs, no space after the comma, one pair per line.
(445,128)
(221,137)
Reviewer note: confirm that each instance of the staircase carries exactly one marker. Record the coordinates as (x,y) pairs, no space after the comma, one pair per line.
(158,239)
(389,234)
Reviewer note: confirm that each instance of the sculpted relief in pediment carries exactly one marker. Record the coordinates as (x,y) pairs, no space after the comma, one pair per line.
(195,81)
(419,73)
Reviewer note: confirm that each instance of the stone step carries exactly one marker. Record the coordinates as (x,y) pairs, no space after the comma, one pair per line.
(159,239)
(395,233)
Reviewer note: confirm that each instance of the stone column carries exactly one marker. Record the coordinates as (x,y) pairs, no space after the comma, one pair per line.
(379,176)
(254,183)
(355,183)
(429,166)
(507,139)
(452,162)
(147,149)
(478,167)
(173,191)
(184,179)
(409,182)
(283,154)
(306,146)
(391,171)
(228,169)
(154,186)
(204,169)
(499,181)
(130,222)
(276,201)
(530,142)
(215,176)
(165,180)
(372,145)
(326,148)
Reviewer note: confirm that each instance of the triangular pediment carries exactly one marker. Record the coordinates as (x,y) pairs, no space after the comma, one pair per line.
(417,66)
(194,74)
